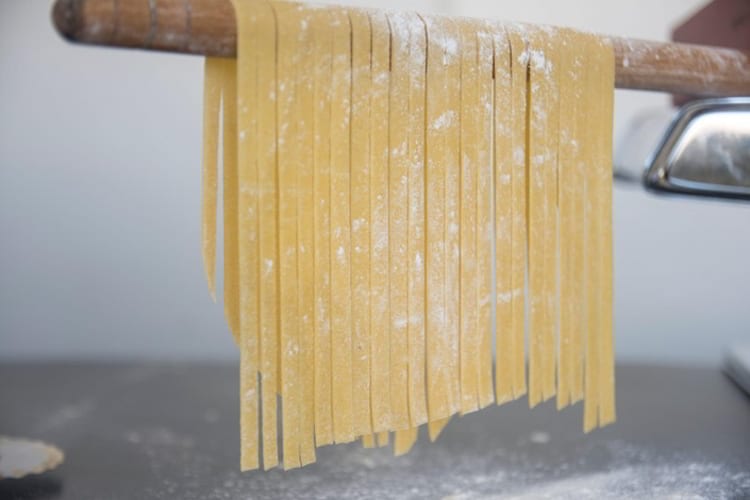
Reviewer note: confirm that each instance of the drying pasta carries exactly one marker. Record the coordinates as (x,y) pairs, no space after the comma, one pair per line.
(401,192)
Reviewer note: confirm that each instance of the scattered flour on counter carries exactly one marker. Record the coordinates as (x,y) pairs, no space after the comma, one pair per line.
(458,467)
(171,456)
(160,438)
(679,481)
(432,472)
(539,437)
(64,416)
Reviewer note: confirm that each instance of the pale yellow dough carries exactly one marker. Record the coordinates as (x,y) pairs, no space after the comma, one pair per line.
(341,298)
(322,227)
(380,373)
(505,354)
(519,58)
(212,86)
(360,222)
(398,188)
(469,168)
(288,169)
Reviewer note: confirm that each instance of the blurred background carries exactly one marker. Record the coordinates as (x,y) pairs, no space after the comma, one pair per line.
(100,202)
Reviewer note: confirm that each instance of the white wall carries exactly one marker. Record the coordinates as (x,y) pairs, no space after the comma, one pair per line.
(99,203)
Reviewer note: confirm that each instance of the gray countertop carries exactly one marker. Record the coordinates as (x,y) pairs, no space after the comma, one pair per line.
(171,431)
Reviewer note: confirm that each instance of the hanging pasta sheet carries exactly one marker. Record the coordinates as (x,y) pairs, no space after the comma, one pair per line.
(401,192)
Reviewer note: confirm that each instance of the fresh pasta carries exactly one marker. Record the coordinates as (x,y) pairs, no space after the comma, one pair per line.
(401,192)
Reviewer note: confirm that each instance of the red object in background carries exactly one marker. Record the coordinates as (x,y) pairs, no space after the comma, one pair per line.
(722,23)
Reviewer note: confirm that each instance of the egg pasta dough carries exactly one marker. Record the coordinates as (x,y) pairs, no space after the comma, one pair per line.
(401,192)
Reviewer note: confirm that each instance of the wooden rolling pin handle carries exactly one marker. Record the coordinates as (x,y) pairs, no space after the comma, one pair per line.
(681,68)
(207,27)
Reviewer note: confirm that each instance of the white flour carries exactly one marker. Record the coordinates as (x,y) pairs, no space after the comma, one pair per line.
(672,481)
(431,471)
